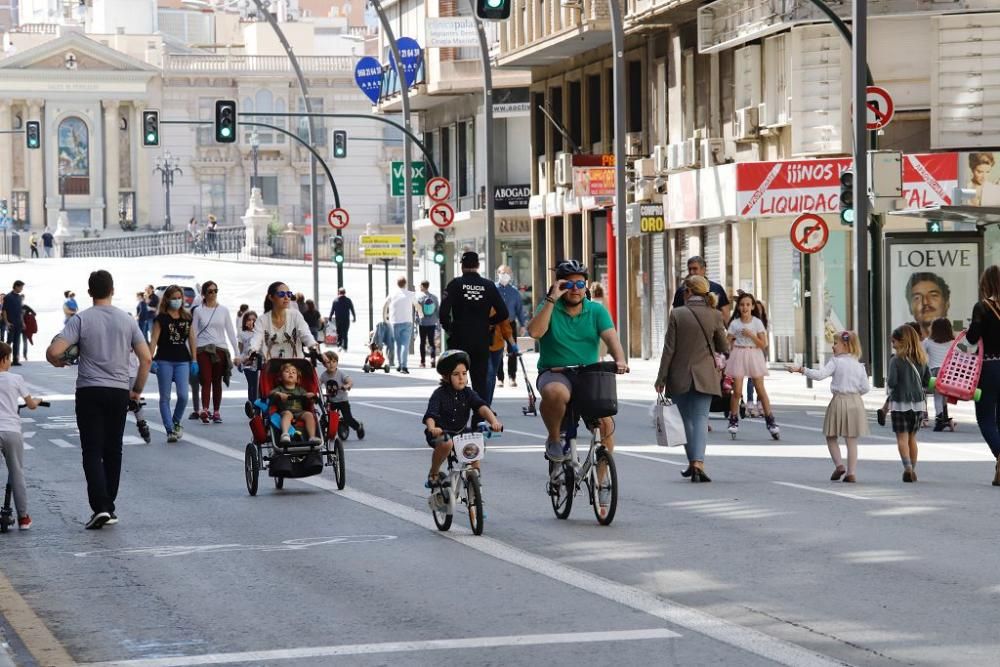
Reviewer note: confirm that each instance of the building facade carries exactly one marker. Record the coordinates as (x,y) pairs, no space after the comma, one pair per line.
(738,120)
(88,90)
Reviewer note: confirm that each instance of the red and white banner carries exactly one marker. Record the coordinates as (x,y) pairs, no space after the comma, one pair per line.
(779,189)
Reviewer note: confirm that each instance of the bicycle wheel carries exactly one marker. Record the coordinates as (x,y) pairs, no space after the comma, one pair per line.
(251,468)
(339,465)
(605,513)
(474,500)
(561,488)
(442,519)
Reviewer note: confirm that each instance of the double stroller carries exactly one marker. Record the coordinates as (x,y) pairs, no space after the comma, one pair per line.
(297,458)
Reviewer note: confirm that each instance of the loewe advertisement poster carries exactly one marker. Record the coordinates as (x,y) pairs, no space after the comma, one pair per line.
(931,276)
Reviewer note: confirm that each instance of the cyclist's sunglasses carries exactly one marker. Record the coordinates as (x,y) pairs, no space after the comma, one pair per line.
(284,295)
(570,284)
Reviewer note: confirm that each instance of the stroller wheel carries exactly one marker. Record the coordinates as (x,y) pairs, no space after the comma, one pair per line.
(386,369)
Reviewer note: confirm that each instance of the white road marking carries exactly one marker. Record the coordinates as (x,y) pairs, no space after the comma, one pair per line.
(742,638)
(28,434)
(27,447)
(296,544)
(394,647)
(62,444)
(827,491)
(618,452)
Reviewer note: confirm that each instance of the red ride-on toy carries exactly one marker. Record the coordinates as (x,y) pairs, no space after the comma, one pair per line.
(375,360)
(298,458)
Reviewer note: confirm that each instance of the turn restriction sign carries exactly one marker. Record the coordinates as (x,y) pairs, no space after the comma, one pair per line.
(441,214)
(338,218)
(879,107)
(439,189)
(809,233)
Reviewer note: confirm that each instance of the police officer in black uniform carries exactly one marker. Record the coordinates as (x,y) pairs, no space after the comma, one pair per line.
(465,317)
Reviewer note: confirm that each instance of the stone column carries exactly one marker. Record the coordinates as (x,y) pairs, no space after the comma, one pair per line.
(111,163)
(6,153)
(36,169)
(143,171)
(255,221)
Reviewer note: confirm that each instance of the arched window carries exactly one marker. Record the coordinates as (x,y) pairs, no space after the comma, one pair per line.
(74,157)
(264,103)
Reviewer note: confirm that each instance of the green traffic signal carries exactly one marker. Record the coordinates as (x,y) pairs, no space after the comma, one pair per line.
(33,134)
(150,128)
(493,10)
(338,249)
(935,226)
(339,144)
(439,255)
(847,198)
(225,121)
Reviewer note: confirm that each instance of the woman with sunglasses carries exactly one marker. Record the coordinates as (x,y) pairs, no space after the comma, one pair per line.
(213,326)
(281,331)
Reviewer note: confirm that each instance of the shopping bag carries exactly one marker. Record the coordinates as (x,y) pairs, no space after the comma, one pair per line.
(330,333)
(668,423)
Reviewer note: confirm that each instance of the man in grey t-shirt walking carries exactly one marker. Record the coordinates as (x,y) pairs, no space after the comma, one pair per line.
(105,337)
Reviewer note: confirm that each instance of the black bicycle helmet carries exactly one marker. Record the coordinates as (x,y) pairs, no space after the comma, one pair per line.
(570,267)
(447,362)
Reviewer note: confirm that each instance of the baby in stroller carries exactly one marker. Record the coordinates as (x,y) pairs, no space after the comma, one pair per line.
(293,403)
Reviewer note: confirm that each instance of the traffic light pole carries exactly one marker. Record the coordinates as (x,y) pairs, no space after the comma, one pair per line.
(404,91)
(620,290)
(862,283)
(484,54)
(307,105)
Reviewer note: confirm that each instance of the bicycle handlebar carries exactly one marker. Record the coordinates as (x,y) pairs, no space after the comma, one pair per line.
(600,366)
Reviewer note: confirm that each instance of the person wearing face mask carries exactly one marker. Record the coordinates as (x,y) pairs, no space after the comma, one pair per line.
(173,344)
(511,296)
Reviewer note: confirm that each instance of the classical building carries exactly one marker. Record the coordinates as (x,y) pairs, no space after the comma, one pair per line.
(87,79)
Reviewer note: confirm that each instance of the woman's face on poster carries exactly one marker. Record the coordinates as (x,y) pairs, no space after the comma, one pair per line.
(980,173)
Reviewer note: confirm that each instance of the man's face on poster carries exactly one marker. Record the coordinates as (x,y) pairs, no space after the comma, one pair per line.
(927,302)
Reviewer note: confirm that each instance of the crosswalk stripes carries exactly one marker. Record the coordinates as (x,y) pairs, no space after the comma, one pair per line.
(62,444)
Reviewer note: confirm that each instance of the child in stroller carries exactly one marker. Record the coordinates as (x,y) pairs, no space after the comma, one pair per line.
(292,402)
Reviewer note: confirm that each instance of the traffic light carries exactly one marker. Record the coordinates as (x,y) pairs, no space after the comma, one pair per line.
(338,249)
(33,134)
(339,143)
(150,128)
(493,10)
(847,197)
(225,121)
(935,226)
(439,248)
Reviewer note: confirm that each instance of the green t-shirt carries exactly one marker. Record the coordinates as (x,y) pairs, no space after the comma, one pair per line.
(571,341)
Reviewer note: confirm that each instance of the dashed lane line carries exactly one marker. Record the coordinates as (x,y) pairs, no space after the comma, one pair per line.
(826,491)
(742,638)
(468,643)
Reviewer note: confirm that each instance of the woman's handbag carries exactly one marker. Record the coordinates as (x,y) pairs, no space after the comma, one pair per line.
(668,422)
(720,359)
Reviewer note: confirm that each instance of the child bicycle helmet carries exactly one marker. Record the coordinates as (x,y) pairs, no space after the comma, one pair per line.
(570,267)
(448,361)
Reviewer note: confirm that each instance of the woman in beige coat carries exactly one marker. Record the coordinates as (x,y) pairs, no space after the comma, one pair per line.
(695,333)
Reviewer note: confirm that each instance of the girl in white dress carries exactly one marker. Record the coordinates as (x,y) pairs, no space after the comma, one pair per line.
(747,340)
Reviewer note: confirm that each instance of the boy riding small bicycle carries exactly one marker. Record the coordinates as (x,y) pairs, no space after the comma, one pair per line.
(449,409)
(337,384)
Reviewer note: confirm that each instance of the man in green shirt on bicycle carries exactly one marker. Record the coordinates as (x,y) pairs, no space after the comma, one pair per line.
(569,328)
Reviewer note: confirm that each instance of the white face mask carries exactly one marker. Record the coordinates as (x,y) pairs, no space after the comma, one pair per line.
(505,278)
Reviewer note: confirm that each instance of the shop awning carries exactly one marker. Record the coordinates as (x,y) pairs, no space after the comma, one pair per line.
(978,215)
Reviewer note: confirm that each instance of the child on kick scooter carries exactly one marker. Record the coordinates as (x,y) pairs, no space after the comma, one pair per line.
(12,387)
(449,409)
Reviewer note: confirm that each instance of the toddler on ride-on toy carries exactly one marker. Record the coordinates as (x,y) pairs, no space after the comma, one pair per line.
(337,384)
(290,400)
(449,409)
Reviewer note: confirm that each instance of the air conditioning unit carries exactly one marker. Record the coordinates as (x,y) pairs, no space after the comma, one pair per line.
(660,158)
(645,168)
(564,169)
(762,117)
(645,190)
(692,156)
(543,176)
(633,144)
(713,152)
(745,125)
(675,157)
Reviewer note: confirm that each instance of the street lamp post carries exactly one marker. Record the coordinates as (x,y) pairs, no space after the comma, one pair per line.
(167,166)
(62,187)
(254,149)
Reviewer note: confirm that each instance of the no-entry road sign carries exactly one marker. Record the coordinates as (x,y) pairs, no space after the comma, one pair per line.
(809,233)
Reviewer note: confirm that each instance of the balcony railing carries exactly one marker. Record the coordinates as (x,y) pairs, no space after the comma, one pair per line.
(241,64)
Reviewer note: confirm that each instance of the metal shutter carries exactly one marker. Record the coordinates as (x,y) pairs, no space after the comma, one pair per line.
(780,297)
(712,254)
(658,278)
